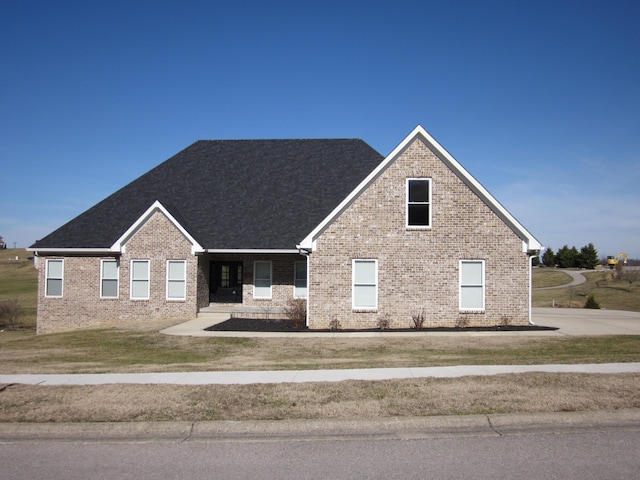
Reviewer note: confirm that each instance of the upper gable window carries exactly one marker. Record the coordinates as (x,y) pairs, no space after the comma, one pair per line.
(419,202)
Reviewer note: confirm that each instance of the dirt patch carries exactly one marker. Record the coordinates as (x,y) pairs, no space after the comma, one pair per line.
(531,392)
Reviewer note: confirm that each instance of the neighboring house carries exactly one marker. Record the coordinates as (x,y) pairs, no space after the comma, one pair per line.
(248,225)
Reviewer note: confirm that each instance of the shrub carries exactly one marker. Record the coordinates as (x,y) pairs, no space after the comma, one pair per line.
(334,325)
(10,313)
(462,321)
(417,321)
(296,312)
(384,322)
(591,302)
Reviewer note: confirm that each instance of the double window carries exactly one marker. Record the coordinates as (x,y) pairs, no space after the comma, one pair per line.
(472,285)
(109,278)
(176,280)
(365,284)
(418,202)
(262,279)
(54,277)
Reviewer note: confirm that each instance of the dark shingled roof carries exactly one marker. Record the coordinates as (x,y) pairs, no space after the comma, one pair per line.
(232,194)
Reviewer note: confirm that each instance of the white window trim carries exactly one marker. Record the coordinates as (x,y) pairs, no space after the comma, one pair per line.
(406,205)
(353,285)
(306,278)
(47,278)
(184,282)
(117,279)
(131,279)
(483,285)
(270,280)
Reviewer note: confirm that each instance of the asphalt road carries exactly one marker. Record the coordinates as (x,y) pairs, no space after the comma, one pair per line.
(556,446)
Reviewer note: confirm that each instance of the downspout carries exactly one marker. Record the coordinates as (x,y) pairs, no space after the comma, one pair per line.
(306,254)
(531,255)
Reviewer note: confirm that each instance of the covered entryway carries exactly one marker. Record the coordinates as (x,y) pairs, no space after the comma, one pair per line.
(225,284)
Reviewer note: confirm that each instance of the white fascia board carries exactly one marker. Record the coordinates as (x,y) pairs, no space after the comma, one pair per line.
(70,251)
(251,250)
(119,244)
(531,242)
(308,243)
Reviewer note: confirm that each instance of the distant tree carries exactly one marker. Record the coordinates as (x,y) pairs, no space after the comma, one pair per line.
(630,275)
(588,257)
(567,257)
(549,258)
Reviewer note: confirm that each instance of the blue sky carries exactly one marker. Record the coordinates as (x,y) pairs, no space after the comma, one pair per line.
(540,101)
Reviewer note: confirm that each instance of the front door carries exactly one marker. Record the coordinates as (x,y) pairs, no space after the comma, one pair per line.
(225,284)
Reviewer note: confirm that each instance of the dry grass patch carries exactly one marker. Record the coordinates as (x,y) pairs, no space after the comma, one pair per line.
(113,350)
(530,392)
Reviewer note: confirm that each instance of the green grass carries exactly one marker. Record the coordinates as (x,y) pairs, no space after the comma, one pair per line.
(19,280)
(610,293)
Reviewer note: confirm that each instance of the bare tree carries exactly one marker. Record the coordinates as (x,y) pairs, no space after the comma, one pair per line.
(630,275)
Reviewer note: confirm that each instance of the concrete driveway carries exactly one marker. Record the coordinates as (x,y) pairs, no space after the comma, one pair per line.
(581,321)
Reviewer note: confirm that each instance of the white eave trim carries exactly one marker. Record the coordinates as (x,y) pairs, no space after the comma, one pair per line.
(119,244)
(529,241)
(71,251)
(251,250)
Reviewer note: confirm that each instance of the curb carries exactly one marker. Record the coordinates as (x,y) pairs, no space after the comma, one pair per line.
(279,430)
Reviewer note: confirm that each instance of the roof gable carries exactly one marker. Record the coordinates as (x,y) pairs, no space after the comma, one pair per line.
(529,241)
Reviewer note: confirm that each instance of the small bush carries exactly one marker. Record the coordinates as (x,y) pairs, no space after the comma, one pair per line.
(417,321)
(505,321)
(10,313)
(296,312)
(462,321)
(384,322)
(334,325)
(591,303)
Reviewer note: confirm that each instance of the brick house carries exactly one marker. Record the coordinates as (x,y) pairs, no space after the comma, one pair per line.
(247,225)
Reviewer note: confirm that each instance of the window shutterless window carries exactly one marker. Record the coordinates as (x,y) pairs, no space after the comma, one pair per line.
(54,277)
(109,274)
(365,284)
(472,285)
(140,279)
(176,279)
(262,280)
(300,279)
(419,202)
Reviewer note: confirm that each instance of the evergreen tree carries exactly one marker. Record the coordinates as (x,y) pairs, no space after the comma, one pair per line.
(588,257)
(567,257)
(549,258)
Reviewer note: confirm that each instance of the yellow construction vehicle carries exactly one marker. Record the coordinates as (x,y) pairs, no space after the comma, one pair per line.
(613,261)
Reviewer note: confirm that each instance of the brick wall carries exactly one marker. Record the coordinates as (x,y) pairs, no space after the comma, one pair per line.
(81,306)
(418,269)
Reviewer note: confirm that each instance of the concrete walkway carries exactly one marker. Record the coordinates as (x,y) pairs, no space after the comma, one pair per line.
(305,376)
(569,321)
(578,279)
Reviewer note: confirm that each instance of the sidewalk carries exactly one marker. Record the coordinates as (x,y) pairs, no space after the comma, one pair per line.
(303,376)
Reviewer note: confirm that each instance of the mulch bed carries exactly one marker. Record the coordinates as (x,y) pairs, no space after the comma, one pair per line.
(260,325)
